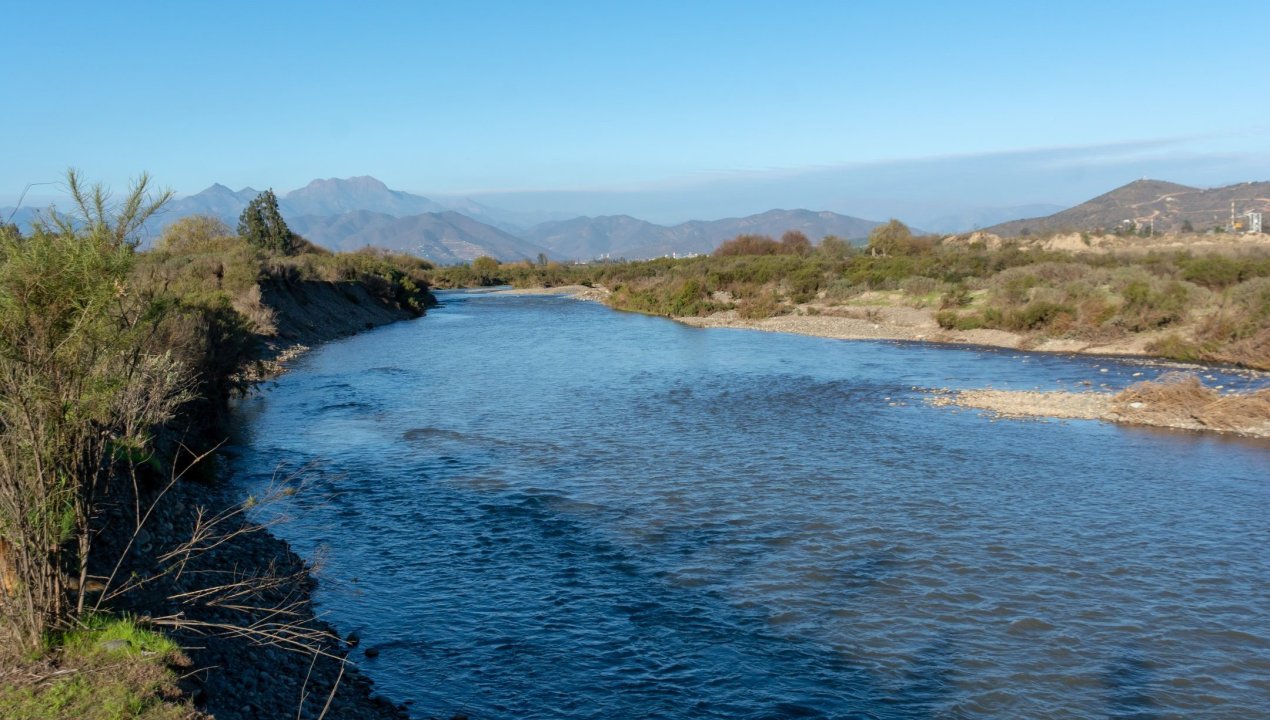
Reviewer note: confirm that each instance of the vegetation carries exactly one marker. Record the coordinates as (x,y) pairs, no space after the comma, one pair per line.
(261,225)
(82,385)
(1184,397)
(106,669)
(1212,307)
(115,365)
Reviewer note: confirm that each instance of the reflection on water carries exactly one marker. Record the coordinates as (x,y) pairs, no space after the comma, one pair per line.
(535,507)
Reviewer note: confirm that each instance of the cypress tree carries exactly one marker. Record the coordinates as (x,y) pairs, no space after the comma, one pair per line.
(261,224)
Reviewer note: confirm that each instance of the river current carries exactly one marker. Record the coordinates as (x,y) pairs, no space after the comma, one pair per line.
(535,507)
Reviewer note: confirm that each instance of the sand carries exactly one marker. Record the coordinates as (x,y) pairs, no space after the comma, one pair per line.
(1092,406)
(890,322)
(578,292)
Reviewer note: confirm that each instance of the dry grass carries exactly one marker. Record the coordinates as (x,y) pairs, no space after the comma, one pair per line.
(262,318)
(1179,399)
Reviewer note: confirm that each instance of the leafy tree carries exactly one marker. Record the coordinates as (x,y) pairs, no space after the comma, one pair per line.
(748,244)
(1187,227)
(191,234)
(893,238)
(795,242)
(261,224)
(486,270)
(834,247)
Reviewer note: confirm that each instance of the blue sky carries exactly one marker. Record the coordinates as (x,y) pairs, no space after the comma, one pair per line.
(589,103)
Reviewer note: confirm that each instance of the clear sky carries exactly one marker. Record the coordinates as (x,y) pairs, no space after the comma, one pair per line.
(473,98)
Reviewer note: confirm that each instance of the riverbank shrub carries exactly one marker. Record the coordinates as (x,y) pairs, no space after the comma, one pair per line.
(82,385)
(404,280)
(1018,287)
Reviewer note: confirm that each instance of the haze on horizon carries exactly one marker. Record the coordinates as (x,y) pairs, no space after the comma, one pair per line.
(657,110)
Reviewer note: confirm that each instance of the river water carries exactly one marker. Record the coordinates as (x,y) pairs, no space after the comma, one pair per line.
(536,507)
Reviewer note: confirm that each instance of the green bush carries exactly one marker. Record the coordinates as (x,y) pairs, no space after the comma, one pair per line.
(1037,314)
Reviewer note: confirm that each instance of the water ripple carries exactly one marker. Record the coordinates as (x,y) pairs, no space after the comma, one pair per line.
(561,511)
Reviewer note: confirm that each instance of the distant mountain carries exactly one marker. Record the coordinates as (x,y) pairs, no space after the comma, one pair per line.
(622,236)
(442,237)
(980,217)
(334,196)
(1166,205)
(321,197)
(23,217)
(217,201)
(515,222)
(594,237)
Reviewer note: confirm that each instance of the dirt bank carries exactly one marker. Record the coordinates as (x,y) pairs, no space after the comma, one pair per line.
(897,322)
(239,677)
(309,312)
(579,292)
(1181,403)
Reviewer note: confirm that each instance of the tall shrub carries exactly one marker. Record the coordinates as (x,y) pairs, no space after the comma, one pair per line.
(79,392)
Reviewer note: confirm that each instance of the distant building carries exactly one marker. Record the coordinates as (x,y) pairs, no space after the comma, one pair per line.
(1249,222)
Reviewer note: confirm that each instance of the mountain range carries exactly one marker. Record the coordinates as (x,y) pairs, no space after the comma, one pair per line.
(347,214)
(445,237)
(622,236)
(1164,206)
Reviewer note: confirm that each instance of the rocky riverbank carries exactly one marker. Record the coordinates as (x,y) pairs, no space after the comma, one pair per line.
(262,651)
(258,650)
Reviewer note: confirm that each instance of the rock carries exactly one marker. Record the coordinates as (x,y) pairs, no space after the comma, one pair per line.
(383,702)
(353,639)
(371,652)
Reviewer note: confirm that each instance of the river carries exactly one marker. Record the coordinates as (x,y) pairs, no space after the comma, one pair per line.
(535,507)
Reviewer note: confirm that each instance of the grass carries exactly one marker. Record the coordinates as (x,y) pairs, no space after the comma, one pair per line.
(108,669)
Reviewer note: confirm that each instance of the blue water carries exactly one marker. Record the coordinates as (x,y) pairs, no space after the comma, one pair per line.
(536,507)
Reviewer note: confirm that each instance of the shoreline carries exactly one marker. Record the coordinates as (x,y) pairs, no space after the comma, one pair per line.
(856,322)
(1104,407)
(1005,403)
(900,324)
(237,677)
(917,325)
(577,292)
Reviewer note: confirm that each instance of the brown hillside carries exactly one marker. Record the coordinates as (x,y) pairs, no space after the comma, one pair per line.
(1143,202)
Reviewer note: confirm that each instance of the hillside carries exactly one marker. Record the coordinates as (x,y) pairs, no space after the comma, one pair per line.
(217,201)
(334,196)
(442,237)
(1142,203)
(622,236)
